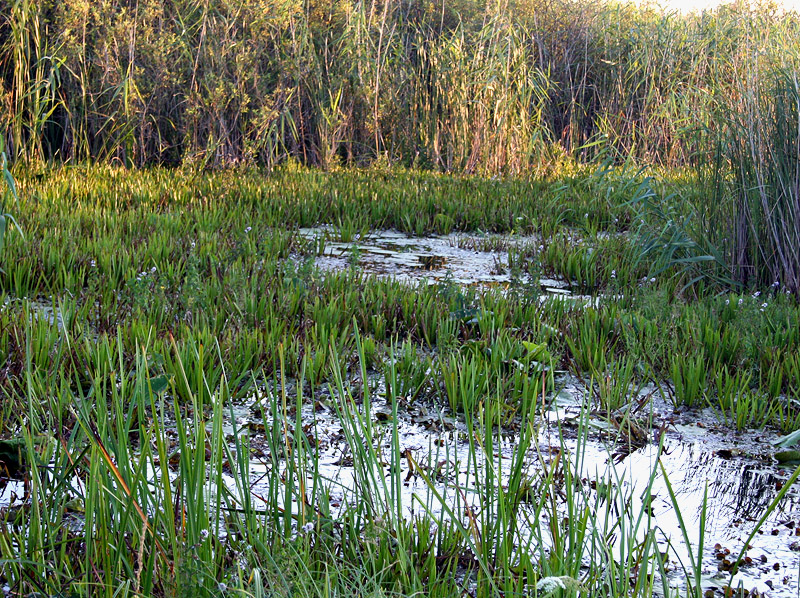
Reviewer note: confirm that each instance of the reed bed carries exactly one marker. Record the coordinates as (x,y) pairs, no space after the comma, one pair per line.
(217,258)
(522,88)
(462,86)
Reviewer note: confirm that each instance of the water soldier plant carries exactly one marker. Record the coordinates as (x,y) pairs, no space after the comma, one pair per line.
(124,387)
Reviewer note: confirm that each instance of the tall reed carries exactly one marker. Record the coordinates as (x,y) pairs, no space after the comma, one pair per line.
(463,86)
(763,145)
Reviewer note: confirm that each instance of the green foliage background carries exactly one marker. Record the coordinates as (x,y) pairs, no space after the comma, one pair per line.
(467,85)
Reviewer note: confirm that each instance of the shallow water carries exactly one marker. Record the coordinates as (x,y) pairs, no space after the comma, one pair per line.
(699,456)
(463,259)
(733,474)
(735,480)
(46,310)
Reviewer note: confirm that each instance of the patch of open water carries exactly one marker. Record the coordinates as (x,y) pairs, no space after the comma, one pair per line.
(464,259)
(734,474)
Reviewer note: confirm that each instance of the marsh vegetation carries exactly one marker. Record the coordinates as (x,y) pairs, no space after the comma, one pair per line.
(376,299)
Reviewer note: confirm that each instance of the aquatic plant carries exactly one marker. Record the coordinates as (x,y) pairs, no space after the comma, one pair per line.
(117,389)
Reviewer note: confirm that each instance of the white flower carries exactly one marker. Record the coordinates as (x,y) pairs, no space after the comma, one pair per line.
(93,264)
(203,534)
(153,270)
(764,304)
(613,274)
(308,527)
(222,587)
(652,280)
(756,294)
(248,229)
(549,586)
(192,245)
(727,301)
(741,300)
